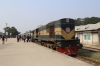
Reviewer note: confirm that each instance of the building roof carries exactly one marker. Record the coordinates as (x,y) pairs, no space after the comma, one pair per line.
(88,27)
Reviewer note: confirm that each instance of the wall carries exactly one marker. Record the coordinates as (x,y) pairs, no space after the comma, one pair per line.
(88,38)
(81,37)
(95,38)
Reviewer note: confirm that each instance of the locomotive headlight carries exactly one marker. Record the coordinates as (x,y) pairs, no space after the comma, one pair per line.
(67,29)
(67,20)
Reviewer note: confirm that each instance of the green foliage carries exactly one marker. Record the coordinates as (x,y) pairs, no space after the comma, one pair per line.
(87,20)
(11,30)
(90,55)
(84,53)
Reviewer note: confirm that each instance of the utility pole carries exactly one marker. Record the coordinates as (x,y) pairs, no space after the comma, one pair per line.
(6,24)
(6,31)
(6,28)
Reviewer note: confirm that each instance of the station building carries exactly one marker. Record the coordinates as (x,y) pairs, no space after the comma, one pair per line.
(88,34)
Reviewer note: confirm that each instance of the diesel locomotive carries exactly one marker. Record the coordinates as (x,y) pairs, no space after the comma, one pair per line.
(58,35)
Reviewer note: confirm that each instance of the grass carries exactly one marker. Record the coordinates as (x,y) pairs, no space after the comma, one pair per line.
(91,55)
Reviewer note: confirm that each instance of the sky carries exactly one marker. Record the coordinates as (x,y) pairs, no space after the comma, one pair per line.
(26,15)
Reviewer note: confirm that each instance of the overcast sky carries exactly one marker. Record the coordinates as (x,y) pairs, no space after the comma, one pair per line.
(28,14)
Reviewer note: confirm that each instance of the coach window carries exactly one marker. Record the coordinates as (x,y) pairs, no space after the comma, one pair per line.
(89,36)
(85,37)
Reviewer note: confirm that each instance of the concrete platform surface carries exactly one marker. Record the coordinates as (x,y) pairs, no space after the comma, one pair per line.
(14,53)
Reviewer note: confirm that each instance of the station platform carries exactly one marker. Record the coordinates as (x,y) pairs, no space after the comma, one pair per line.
(14,53)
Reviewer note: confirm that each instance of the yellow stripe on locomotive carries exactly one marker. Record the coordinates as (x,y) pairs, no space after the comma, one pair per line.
(60,31)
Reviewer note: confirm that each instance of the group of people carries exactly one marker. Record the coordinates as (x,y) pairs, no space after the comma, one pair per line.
(19,38)
(3,37)
(24,38)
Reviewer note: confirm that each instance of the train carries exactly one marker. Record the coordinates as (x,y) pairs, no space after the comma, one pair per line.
(58,35)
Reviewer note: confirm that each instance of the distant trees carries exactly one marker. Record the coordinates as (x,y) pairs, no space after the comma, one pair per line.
(83,21)
(11,30)
(87,20)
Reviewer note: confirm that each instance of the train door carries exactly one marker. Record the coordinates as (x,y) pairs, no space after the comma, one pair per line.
(33,33)
(51,33)
(39,33)
(37,30)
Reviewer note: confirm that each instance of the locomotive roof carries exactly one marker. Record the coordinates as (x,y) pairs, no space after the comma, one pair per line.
(58,21)
(54,22)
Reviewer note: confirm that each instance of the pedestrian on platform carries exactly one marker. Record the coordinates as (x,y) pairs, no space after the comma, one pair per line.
(3,39)
(24,37)
(18,38)
(28,38)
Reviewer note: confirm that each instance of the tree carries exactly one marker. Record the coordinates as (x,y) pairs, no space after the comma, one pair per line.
(91,20)
(11,30)
(78,21)
(7,29)
(87,20)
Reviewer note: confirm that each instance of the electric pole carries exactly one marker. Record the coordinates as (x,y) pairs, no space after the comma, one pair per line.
(6,31)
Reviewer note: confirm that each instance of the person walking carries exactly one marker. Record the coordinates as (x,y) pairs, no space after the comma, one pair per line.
(28,38)
(18,38)
(24,37)
(3,39)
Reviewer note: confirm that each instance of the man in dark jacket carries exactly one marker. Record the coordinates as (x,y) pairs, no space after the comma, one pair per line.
(28,38)
(24,38)
(3,39)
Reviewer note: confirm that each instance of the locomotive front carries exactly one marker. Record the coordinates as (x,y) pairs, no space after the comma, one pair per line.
(65,36)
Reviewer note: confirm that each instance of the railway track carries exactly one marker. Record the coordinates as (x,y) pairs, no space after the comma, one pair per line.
(95,63)
(88,60)
(85,59)
(91,49)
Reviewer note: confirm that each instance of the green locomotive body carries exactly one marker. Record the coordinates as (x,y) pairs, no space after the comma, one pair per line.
(59,35)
